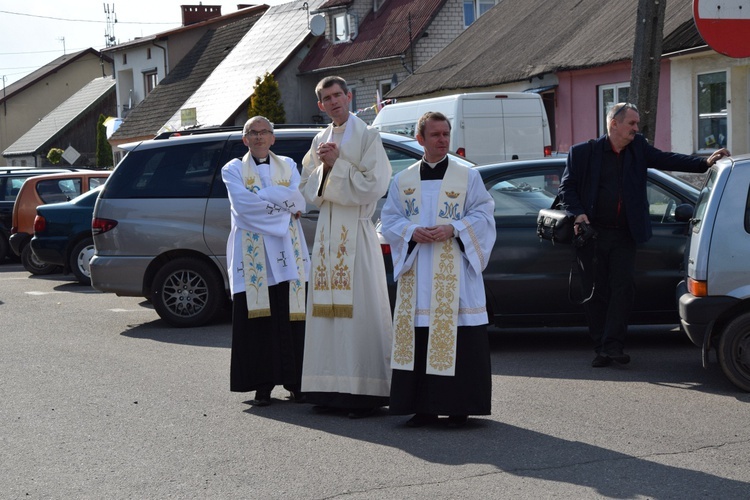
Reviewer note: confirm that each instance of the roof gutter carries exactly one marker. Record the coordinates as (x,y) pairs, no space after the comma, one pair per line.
(164,52)
(685,52)
(343,66)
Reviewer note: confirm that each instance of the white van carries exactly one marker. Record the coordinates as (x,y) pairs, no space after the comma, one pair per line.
(486,127)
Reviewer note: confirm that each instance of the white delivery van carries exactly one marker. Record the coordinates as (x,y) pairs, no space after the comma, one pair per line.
(486,127)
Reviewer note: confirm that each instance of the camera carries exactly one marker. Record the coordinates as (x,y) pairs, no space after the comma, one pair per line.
(585,233)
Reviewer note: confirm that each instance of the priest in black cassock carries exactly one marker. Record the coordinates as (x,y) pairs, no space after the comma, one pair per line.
(439,221)
(268,264)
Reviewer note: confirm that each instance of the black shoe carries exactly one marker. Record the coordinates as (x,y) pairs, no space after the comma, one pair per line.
(297,397)
(362,413)
(324,409)
(601,361)
(620,358)
(421,419)
(261,399)
(457,421)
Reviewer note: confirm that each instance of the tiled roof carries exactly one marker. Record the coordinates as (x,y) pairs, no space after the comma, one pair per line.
(187,76)
(378,36)
(49,68)
(265,48)
(62,117)
(519,39)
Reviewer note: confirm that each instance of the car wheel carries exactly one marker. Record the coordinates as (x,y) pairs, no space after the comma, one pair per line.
(79,260)
(188,292)
(734,351)
(33,265)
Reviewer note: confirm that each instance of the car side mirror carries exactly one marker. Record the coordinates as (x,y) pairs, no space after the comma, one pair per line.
(684,212)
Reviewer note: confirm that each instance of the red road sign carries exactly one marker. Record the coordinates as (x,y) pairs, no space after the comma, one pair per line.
(724,25)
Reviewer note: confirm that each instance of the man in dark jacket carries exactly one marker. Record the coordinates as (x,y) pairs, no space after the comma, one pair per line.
(604,186)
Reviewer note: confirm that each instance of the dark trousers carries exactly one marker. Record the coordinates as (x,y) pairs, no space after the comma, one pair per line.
(613,271)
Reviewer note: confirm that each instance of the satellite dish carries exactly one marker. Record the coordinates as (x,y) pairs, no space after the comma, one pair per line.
(317,25)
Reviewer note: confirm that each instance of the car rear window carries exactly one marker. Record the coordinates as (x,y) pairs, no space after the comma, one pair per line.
(184,170)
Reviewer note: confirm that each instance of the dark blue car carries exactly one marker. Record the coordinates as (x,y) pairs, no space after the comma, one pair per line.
(62,235)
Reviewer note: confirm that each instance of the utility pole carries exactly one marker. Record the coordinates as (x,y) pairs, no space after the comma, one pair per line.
(644,76)
(62,39)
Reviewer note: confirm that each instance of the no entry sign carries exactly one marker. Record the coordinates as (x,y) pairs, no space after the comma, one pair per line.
(724,25)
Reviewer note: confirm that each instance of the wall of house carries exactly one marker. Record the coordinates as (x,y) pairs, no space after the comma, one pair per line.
(23,110)
(577,110)
(447,25)
(685,70)
(130,64)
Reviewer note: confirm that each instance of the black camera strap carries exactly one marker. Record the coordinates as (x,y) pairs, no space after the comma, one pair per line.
(575,268)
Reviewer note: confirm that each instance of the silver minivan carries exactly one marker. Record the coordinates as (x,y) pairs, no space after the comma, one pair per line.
(714,299)
(162,220)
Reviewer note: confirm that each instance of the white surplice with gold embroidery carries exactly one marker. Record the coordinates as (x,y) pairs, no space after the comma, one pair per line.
(426,273)
(348,331)
(261,214)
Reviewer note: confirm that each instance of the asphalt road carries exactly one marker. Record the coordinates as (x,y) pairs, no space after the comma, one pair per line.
(100,399)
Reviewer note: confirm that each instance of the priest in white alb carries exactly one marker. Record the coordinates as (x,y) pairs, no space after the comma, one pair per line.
(268,264)
(438,220)
(348,327)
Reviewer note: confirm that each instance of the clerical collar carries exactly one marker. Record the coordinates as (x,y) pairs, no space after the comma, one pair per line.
(433,171)
(340,128)
(259,161)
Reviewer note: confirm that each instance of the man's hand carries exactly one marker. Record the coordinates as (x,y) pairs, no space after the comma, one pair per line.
(718,155)
(328,152)
(581,218)
(434,234)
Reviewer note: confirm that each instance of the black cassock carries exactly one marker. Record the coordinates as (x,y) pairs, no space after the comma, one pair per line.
(266,351)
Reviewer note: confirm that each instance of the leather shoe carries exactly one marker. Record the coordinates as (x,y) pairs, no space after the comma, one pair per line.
(601,361)
(457,421)
(261,399)
(421,419)
(362,413)
(297,397)
(620,358)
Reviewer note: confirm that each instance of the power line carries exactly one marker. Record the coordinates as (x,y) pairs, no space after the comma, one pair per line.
(78,20)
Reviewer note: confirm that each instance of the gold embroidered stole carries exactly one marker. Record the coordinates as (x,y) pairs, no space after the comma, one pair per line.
(254,257)
(445,285)
(334,252)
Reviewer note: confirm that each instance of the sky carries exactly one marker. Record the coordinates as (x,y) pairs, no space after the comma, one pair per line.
(35,32)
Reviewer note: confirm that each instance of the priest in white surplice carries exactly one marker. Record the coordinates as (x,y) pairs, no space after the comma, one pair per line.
(438,219)
(348,328)
(268,264)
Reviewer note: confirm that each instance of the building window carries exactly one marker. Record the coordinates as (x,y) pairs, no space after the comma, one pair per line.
(124,58)
(609,95)
(344,27)
(473,9)
(353,104)
(148,52)
(151,80)
(712,111)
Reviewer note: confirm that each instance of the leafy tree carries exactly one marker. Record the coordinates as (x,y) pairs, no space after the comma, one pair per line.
(55,155)
(103,149)
(266,100)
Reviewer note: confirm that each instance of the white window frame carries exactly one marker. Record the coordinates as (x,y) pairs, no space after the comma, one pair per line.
(346,21)
(620,91)
(478,8)
(702,144)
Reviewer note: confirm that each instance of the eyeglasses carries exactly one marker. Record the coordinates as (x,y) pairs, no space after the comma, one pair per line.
(627,105)
(259,133)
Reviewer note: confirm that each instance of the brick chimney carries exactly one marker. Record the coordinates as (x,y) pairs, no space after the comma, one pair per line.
(192,14)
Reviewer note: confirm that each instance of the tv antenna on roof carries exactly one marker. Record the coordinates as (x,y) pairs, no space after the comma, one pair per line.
(109,34)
